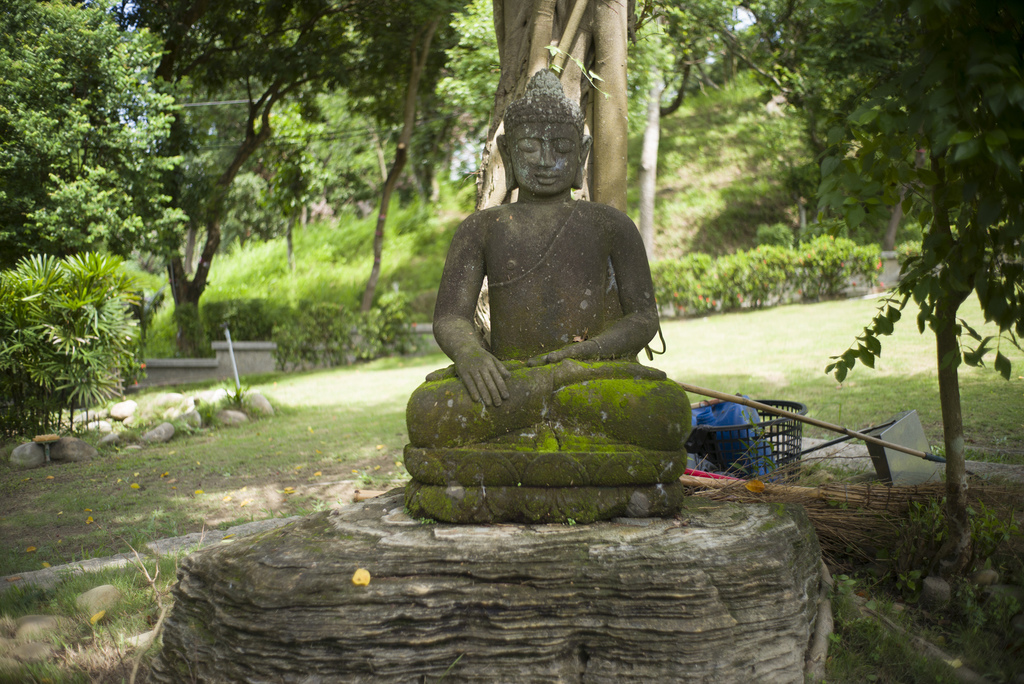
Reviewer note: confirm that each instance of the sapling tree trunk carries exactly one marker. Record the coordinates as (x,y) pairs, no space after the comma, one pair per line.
(418,51)
(649,163)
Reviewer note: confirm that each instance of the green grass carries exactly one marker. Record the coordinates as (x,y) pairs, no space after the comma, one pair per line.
(781,354)
(353,419)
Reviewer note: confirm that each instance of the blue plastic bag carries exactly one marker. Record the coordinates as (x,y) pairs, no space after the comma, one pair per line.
(744,451)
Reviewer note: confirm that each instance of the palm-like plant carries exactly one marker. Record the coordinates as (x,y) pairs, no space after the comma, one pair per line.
(66,336)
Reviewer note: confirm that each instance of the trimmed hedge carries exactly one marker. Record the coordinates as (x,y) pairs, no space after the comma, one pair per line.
(768,275)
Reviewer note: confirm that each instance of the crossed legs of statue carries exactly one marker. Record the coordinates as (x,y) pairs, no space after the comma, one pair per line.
(621,400)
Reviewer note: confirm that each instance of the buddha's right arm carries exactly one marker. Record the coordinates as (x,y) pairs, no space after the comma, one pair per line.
(482,374)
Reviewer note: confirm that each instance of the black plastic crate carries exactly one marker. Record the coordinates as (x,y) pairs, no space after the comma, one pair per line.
(774,442)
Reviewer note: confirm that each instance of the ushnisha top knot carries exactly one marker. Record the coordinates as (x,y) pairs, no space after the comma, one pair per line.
(543,102)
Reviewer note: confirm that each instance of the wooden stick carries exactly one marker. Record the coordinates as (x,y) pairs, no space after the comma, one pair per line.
(811,421)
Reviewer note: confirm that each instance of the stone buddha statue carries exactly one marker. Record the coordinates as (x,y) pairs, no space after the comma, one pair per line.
(554,419)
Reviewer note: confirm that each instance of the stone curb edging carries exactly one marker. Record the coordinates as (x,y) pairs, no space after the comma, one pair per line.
(47,578)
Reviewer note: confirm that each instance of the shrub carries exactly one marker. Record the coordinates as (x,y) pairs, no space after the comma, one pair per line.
(319,334)
(776,234)
(685,283)
(247,319)
(765,276)
(67,338)
(827,265)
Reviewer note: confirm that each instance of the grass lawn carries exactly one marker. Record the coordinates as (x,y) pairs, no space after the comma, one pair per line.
(341,429)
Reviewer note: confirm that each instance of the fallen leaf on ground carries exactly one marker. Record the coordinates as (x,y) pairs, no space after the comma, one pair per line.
(379,447)
(89,520)
(96,617)
(317,474)
(361,577)
(200,491)
(755,486)
(45,564)
(49,477)
(165,474)
(30,549)
(135,485)
(226,499)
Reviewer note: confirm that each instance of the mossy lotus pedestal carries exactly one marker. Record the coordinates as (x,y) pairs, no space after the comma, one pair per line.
(492,483)
(721,593)
(610,444)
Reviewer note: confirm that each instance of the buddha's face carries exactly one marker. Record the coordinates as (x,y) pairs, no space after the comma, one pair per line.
(546,159)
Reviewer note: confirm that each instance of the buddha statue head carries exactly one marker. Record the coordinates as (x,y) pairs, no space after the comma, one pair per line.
(544,147)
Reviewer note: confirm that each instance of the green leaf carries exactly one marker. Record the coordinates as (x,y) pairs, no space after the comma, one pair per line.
(996,139)
(866,357)
(841,371)
(1002,365)
(961,137)
(883,325)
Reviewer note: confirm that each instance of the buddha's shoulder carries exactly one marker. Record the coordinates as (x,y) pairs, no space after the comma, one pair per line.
(597,214)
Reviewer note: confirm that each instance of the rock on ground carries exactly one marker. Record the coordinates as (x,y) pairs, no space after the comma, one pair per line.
(35,626)
(103,597)
(72,449)
(101,426)
(723,593)
(257,402)
(231,417)
(123,409)
(161,433)
(193,419)
(112,438)
(32,652)
(28,455)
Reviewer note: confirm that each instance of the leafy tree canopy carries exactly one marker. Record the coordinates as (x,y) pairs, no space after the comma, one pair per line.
(79,121)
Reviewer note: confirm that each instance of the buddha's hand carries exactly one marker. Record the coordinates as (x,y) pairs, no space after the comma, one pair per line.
(484,376)
(588,350)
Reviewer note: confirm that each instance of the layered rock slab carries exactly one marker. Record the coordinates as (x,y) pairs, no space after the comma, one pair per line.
(721,593)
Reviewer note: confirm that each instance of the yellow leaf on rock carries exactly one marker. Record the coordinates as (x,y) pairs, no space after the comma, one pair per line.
(135,485)
(96,617)
(755,486)
(30,549)
(361,578)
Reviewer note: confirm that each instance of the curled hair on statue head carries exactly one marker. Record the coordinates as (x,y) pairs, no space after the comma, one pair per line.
(543,102)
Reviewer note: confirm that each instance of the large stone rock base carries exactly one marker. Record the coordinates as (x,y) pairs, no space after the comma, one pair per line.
(721,593)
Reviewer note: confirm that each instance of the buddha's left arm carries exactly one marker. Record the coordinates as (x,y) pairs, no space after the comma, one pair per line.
(625,337)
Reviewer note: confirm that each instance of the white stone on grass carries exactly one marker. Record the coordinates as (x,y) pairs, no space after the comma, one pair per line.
(167,399)
(32,652)
(232,417)
(101,426)
(142,641)
(103,597)
(123,409)
(193,419)
(34,626)
(259,403)
(28,455)
(161,433)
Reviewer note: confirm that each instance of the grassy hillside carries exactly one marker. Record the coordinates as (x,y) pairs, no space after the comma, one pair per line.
(720,173)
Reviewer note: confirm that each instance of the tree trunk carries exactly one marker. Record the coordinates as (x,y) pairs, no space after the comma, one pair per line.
(417,61)
(649,163)
(290,243)
(611,108)
(190,249)
(957,548)
(889,240)
(184,290)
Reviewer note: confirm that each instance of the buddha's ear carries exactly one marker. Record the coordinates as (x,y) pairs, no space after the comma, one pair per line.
(585,142)
(506,160)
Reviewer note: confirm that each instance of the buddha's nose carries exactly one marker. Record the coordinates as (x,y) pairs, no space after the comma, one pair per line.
(547,154)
